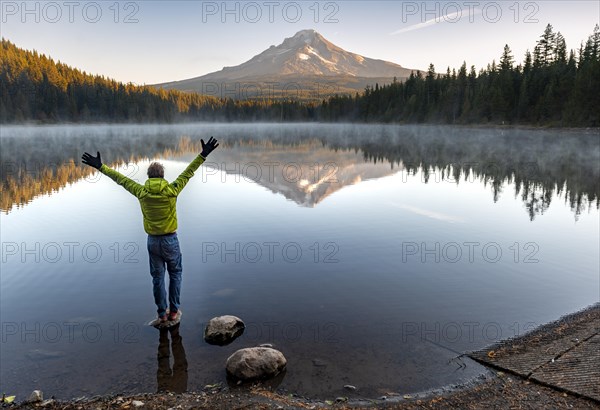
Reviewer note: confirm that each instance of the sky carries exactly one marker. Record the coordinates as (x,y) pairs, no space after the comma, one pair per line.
(149,42)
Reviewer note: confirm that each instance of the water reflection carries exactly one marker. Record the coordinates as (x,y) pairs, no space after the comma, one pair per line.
(305,173)
(171,379)
(308,162)
(377,316)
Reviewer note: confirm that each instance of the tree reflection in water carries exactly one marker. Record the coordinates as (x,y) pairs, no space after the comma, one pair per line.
(539,163)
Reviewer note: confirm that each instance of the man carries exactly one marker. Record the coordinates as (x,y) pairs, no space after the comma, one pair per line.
(158,201)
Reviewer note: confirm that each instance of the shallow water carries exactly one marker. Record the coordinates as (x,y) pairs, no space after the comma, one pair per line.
(369,255)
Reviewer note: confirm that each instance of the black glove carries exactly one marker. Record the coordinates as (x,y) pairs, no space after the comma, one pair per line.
(95,162)
(208,147)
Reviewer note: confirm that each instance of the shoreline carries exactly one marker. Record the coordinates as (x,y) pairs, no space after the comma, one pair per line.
(506,384)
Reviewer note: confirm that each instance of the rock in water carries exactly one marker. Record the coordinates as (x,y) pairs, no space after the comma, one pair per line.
(223,330)
(255,363)
(36,396)
(169,323)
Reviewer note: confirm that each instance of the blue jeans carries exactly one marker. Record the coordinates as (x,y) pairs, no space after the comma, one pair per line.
(164,250)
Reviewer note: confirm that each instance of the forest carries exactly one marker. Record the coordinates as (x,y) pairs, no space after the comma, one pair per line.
(551,87)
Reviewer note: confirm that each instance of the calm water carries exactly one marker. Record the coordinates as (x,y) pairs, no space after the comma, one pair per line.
(369,255)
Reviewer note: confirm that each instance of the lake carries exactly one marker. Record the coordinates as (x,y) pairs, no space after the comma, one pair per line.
(370,255)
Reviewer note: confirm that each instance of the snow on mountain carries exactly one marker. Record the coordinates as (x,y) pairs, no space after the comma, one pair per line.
(305,57)
(309,53)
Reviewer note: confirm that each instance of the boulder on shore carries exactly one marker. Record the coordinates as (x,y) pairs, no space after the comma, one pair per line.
(255,363)
(223,330)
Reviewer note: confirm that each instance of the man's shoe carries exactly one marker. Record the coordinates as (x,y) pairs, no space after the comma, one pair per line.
(172,315)
(163,318)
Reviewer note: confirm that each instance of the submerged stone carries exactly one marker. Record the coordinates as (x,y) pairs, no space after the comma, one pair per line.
(36,396)
(223,330)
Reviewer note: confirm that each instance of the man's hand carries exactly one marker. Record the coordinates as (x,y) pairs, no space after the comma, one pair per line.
(95,162)
(208,147)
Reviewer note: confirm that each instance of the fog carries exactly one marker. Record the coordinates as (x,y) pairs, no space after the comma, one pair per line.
(42,159)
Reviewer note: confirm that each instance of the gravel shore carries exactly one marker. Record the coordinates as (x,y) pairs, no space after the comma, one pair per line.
(497,390)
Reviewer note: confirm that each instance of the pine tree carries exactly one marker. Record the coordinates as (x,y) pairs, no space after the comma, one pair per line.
(560,49)
(507,60)
(545,47)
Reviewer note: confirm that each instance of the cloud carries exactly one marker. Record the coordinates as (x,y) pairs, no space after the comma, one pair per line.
(450,17)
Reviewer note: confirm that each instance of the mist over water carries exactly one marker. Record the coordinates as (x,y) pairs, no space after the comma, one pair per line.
(533,159)
(368,254)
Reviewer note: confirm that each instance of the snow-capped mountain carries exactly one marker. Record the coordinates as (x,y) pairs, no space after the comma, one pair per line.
(309,53)
(307,56)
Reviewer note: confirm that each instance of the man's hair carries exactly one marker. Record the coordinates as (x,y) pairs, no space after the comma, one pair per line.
(156,170)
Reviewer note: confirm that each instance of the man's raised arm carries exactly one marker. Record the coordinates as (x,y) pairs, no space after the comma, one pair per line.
(185,176)
(133,187)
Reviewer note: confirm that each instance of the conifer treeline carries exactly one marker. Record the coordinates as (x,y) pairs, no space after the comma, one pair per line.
(548,88)
(35,88)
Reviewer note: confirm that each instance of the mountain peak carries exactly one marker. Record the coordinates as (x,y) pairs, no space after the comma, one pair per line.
(307,54)
(308,36)
(306,33)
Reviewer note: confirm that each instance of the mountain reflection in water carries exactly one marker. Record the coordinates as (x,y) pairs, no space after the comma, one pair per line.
(306,163)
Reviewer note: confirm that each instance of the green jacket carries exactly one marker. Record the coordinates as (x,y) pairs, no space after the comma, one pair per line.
(157,197)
